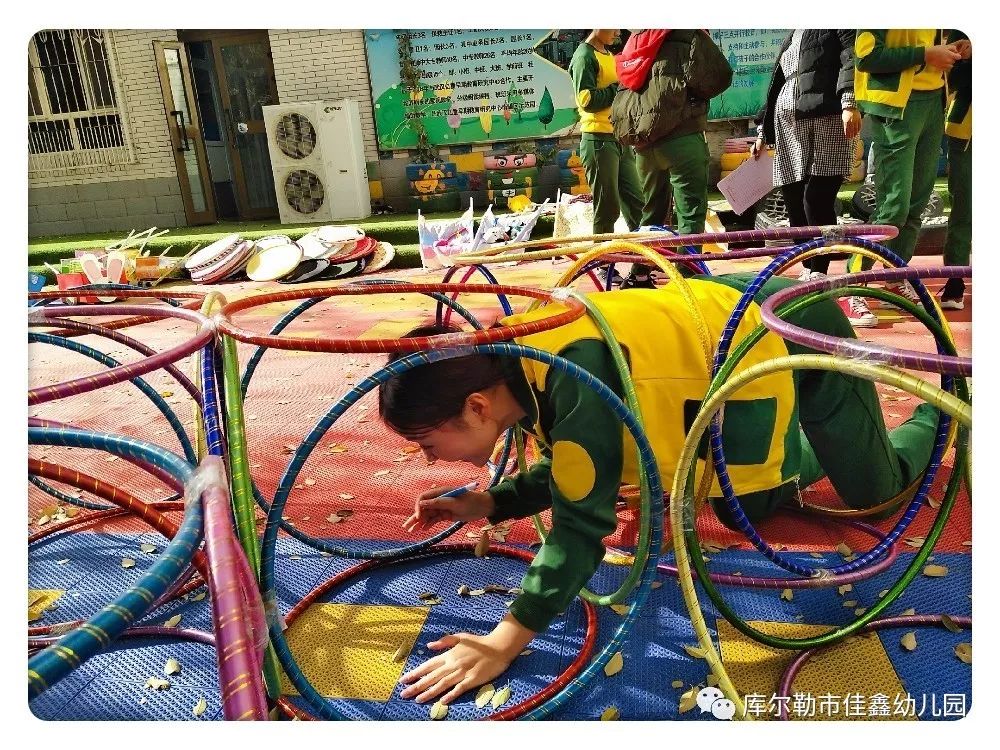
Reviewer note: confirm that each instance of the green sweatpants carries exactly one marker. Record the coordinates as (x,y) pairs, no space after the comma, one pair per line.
(958,245)
(843,434)
(906,162)
(681,165)
(610,170)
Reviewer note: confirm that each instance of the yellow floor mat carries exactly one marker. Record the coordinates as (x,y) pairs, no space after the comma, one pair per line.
(346,650)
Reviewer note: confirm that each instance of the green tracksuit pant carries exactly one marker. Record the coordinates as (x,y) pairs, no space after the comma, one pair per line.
(906,163)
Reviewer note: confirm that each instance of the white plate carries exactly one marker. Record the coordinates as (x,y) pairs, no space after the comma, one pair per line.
(332,234)
(272,240)
(274,262)
(208,254)
(382,257)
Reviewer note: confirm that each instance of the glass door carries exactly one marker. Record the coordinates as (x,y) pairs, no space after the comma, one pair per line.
(185,132)
(246,81)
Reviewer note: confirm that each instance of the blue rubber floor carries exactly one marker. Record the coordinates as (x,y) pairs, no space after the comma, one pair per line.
(110,686)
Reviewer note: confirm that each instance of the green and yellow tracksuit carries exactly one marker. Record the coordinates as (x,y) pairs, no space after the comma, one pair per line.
(588,453)
(610,166)
(904,97)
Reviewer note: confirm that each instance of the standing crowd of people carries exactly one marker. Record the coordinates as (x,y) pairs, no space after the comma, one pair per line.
(643,116)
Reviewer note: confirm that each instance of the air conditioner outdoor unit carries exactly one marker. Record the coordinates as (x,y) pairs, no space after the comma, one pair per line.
(318,160)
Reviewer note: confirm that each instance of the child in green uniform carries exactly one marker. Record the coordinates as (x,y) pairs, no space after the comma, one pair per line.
(610,166)
(457,409)
(899,82)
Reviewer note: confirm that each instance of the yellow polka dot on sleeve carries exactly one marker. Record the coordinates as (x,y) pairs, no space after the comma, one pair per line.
(864,44)
(572,470)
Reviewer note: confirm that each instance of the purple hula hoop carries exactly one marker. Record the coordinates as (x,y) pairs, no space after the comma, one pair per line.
(43,316)
(900,621)
(855,348)
(121,338)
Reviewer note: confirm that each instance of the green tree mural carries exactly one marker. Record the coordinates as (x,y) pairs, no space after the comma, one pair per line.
(545,109)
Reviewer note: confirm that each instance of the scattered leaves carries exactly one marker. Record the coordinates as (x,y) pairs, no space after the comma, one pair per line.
(860,611)
(172,667)
(198,597)
(402,652)
(677,684)
(526,652)
(655,585)
(438,711)
(463,590)
(157,684)
(309,482)
(485,694)
(427,595)
(909,641)
(128,562)
(383,473)
(147,548)
(964,652)
(173,622)
(816,555)
(621,609)
(689,699)
(950,624)
(915,541)
(844,550)
(882,593)
(936,571)
(695,652)
(483,545)
(610,714)
(334,518)
(500,697)
(909,612)
(850,603)
(199,707)
(845,588)
(42,521)
(614,665)
(786,595)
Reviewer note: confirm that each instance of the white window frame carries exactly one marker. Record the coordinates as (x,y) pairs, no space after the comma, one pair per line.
(80,158)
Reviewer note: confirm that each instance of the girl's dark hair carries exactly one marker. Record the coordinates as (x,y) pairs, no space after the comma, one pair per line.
(424,398)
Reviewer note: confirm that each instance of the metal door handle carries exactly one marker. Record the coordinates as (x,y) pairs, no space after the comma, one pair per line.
(179,116)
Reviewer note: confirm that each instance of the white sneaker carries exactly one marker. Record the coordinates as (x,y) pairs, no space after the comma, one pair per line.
(857,312)
(808,275)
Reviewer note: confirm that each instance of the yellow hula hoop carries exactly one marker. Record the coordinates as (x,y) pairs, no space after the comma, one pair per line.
(879,373)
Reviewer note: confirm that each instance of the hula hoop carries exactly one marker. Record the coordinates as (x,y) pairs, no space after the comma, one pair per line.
(666,239)
(513,712)
(723,368)
(168,297)
(913,360)
(490,278)
(680,509)
(42,316)
(158,401)
(239,456)
(386,346)
(901,621)
(77,326)
(51,665)
(268,547)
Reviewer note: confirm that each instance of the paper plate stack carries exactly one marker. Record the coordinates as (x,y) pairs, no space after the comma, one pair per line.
(219,260)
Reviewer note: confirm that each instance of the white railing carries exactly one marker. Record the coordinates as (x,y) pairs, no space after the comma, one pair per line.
(77,117)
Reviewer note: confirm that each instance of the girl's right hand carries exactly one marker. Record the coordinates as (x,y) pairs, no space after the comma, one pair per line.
(757,148)
(429,509)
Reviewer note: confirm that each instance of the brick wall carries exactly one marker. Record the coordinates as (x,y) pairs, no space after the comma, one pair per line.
(328,64)
(126,196)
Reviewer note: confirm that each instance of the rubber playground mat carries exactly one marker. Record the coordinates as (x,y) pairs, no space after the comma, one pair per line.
(347,640)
